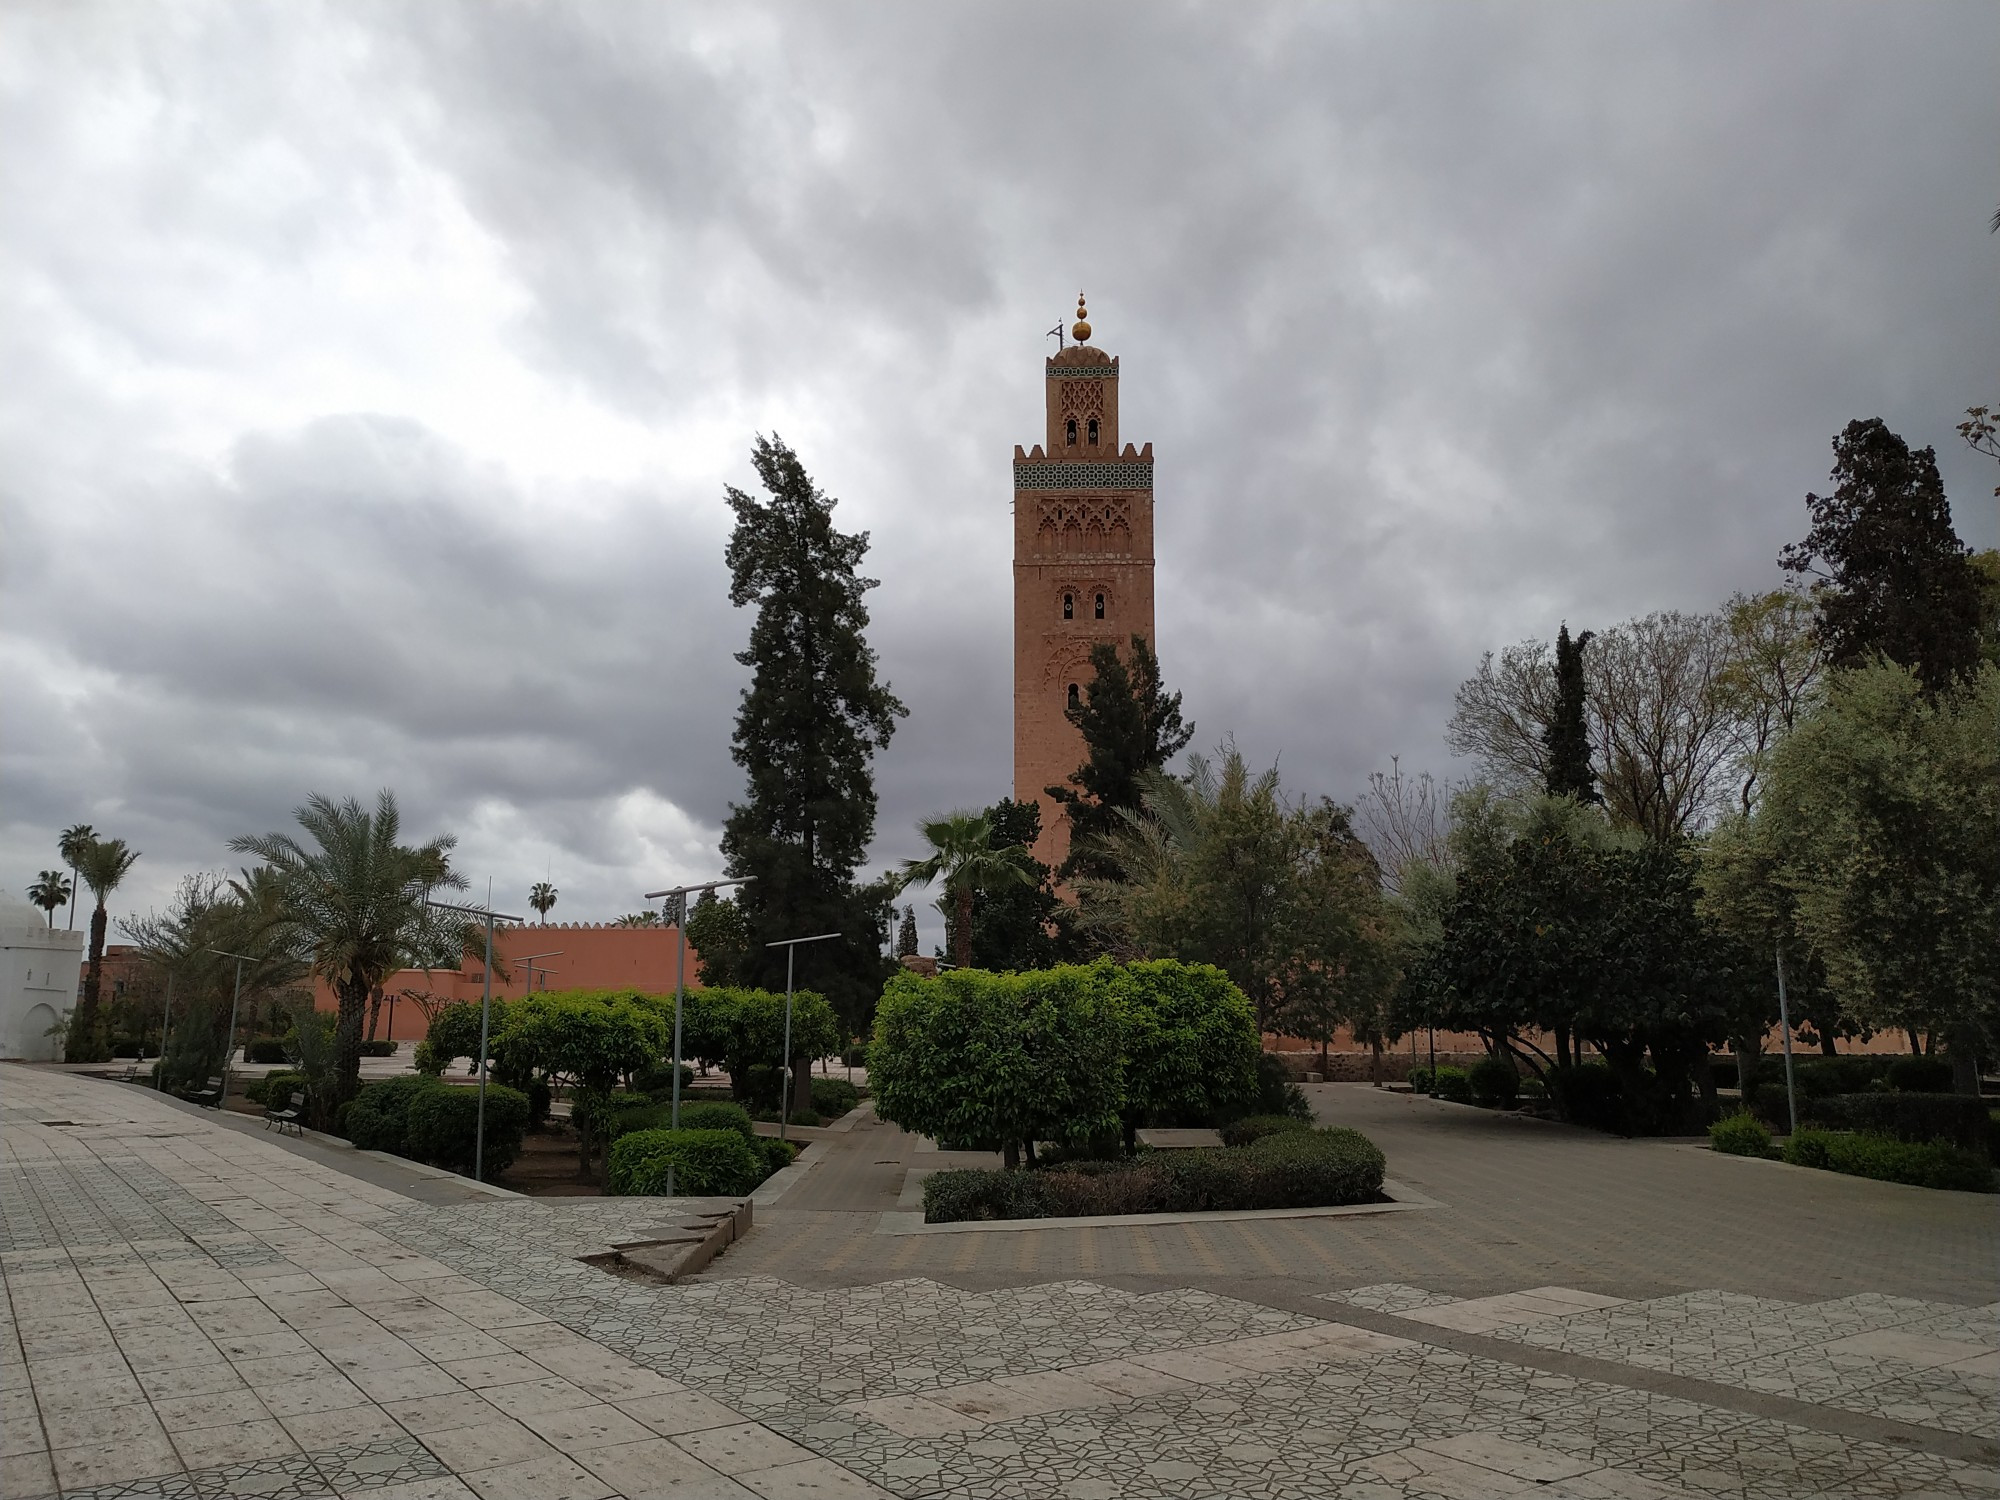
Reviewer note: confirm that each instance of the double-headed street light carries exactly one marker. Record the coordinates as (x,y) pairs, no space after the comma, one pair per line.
(485,1018)
(791,947)
(241,960)
(533,969)
(677,907)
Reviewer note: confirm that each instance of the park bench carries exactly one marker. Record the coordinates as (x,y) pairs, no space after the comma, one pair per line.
(210,1097)
(130,1074)
(290,1115)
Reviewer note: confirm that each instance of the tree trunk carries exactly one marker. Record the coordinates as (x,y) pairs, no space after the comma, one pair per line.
(1827,1046)
(1010,1155)
(374,1010)
(1562,1047)
(82,1043)
(1375,1069)
(353,992)
(802,1084)
(1747,1055)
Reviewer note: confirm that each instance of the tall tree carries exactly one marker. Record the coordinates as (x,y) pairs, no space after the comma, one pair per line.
(1501,716)
(1407,822)
(809,723)
(1025,925)
(102,865)
(1131,726)
(1772,676)
(1665,726)
(351,898)
(965,862)
(1896,579)
(73,841)
(906,934)
(720,937)
(1566,739)
(50,890)
(542,897)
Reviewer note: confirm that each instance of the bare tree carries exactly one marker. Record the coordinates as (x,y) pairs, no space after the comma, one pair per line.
(1406,821)
(1665,721)
(1774,672)
(1500,715)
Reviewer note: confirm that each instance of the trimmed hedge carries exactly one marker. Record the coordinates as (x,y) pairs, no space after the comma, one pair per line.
(1255,1127)
(1286,1169)
(700,1115)
(1740,1135)
(1960,1119)
(833,1097)
(705,1163)
(378,1118)
(444,1126)
(1920,1075)
(274,1088)
(1933,1164)
(777,1154)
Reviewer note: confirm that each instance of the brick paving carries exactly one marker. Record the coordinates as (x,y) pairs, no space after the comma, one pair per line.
(193,1310)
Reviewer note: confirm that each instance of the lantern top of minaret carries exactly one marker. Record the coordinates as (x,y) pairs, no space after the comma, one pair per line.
(1080,330)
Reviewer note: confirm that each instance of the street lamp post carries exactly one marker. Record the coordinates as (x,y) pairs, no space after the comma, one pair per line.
(677,906)
(241,960)
(1785,1026)
(485,1021)
(166,1020)
(529,963)
(791,947)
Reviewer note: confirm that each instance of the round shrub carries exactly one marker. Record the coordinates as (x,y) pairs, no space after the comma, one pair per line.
(777,1154)
(274,1088)
(717,1116)
(705,1163)
(833,1097)
(1494,1083)
(1256,1127)
(378,1118)
(443,1126)
(1317,1168)
(1454,1084)
(1740,1135)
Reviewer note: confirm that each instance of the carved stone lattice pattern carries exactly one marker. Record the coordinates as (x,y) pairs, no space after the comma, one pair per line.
(1029,475)
(1082,398)
(1084,526)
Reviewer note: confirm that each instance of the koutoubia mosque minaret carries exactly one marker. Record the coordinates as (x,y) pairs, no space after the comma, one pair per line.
(1083,566)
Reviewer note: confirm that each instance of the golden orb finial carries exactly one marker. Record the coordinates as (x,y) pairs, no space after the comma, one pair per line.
(1080,330)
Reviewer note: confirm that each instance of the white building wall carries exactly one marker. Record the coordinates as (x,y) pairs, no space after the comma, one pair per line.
(39,970)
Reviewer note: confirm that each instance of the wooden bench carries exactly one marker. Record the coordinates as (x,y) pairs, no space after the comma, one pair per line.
(290,1115)
(130,1074)
(209,1097)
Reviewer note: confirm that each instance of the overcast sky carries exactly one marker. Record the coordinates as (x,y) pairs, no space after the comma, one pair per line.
(373,372)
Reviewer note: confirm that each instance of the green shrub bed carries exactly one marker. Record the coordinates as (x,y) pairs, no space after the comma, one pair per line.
(833,1097)
(1931,1164)
(1958,1118)
(274,1088)
(1295,1168)
(1255,1127)
(705,1163)
(1740,1135)
(429,1120)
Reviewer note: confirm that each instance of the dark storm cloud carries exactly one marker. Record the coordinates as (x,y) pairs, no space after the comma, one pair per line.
(374,377)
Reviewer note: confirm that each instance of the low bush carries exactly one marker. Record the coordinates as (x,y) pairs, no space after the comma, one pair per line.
(1933,1164)
(777,1154)
(378,1118)
(1284,1169)
(1454,1084)
(1958,1118)
(833,1097)
(1494,1083)
(1256,1127)
(1920,1075)
(717,1115)
(430,1059)
(378,1049)
(772,1116)
(266,1049)
(1740,1135)
(704,1163)
(1276,1093)
(1534,1090)
(443,1126)
(274,1088)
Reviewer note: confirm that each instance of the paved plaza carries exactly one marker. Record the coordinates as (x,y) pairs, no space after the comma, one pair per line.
(196,1308)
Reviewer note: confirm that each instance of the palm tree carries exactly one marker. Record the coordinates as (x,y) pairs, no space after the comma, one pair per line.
(352,899)
(964,861)
(542,896)
(103,864)
(638,919)
(70,844)
(50,891)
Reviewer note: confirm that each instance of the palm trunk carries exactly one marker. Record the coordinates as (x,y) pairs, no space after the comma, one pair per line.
(353,991)
(82,1043)
(962,953)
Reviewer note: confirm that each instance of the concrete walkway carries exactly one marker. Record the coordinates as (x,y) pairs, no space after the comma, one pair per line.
(195,1310)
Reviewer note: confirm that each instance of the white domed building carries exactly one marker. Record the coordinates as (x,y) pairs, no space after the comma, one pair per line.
(38,981)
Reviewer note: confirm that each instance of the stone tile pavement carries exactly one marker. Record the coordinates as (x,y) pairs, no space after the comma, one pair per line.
(196,1312)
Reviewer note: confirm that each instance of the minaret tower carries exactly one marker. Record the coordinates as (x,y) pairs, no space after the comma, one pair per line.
(1083,566)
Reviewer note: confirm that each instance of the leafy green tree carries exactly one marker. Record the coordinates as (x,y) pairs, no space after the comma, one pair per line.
(1881,823)
(589,1039)
(70,845)
(102,865)
(542,897)
(1190,1043)
(810,722)
(964,861)
(351,900)
(1020,925)
(1566,739)
(1774,672)
(720,937)
(740,1029)
(50,890)
(1896,579)
(1131,726)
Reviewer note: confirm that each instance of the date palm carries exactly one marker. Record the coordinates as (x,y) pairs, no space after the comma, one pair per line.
(351,898)
(102,864)
(50,891)
(542,896)
(73,841)
(964,861)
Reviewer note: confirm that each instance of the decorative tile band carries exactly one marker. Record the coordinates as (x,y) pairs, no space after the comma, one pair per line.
(1047,476)
(1080,372)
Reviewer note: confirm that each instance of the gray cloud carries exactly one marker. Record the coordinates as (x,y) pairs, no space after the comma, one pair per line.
(373,377)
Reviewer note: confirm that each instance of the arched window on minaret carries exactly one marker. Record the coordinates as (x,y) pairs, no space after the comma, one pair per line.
(1075,697)
(1069,606)
(1070,430)
(1100,606)
(1093,432)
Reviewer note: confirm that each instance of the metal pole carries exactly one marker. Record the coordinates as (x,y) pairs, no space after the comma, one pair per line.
(231,1052)
(680,999)
(166,1019)
(1785,1024)
(485,1019)
(785,1104)
(1434,1060)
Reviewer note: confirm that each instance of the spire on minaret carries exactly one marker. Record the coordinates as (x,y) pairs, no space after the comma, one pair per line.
(1080,331)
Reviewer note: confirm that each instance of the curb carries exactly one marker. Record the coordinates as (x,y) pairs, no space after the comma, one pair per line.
(902,1222)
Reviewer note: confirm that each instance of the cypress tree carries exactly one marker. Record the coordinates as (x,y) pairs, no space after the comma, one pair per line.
(906,935)
(1130,724)
(809,723)
(1566,738)
(1899,582)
